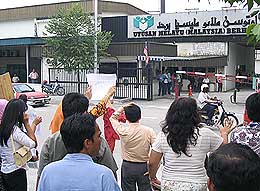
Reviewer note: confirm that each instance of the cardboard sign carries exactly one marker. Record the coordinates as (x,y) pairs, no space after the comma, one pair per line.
(100,84)
(6,90)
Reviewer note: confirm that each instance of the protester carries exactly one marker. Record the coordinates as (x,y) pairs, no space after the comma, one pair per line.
(97,111)
(220,82)
(250,134)
(206,81)
(136,141)
(207,103)
(54,149)
(183,146)
(3,103)
(34,76)
(233,167)
(31,115)
(11,128)
(110,135)
(15,79)
(77,171)
(165,82)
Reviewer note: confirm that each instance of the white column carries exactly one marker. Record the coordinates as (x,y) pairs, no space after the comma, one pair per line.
(27,62)
(96,29)
(139,72)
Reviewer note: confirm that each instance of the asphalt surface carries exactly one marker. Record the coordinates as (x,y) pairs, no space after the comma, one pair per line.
(153,112)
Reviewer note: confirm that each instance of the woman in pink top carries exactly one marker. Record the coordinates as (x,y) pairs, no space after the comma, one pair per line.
(3,103)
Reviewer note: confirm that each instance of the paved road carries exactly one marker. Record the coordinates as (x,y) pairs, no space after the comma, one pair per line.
(153,112)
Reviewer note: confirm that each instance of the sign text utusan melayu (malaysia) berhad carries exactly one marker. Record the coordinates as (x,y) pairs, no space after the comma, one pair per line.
(229,22)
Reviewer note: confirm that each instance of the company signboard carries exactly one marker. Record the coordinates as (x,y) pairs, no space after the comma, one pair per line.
(206,23)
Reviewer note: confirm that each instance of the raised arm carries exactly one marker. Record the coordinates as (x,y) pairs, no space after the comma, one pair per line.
(100,109)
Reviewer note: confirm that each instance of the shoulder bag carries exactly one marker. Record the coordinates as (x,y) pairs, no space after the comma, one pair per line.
(21,155)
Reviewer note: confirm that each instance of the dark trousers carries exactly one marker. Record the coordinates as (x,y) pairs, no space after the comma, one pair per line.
(16,181)
(132,174)
(210,110)
(220,87)
(164,88)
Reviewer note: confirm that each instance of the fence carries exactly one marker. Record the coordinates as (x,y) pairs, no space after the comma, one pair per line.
(134,83)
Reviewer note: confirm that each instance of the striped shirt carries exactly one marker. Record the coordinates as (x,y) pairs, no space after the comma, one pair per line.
(184,168)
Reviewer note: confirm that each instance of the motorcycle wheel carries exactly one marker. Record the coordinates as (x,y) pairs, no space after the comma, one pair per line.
(60,91)
(45,90)
(230,117)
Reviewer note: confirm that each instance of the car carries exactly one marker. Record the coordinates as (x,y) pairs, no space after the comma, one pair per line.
(35,98)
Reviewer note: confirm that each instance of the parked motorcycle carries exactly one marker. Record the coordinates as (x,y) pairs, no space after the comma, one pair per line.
(53,88)
(219,116)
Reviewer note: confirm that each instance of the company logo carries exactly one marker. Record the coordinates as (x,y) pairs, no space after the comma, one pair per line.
(143,23)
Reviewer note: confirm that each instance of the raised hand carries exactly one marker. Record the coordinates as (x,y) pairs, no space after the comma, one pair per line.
(88,92)
(111,91)
(37,120)
(228,127)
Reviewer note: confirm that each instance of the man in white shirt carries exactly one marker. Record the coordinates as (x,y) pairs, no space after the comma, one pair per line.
(206,103)
(34,76)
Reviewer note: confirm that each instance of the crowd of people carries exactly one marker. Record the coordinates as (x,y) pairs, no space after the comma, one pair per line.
(78,157)
(172,83)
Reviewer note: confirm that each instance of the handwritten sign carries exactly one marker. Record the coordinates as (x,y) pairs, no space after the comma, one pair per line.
(6,90)
(100,84)
(199,23)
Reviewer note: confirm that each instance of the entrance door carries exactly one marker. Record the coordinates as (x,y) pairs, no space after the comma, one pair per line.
(19,70)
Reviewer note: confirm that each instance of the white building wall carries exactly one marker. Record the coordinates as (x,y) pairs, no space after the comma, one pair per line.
(257,62)
(238,55)
(202,49)
(45,71)
(17,29)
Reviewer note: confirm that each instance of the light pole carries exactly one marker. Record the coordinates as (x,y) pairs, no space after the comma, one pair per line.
(162,6)
(96,29)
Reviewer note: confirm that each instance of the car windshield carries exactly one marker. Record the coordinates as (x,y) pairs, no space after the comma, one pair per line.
(20,88)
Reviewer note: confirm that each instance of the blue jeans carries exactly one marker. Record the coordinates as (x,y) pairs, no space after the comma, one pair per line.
(209,108)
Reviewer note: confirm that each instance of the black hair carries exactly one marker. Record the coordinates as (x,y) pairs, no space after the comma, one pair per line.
(253,107)
(132,113)
(12,116)
(76,129)
(24,98)
(234,167)
(74,103)
(181,125)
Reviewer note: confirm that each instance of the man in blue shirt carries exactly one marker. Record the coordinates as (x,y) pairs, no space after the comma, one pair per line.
(77,171)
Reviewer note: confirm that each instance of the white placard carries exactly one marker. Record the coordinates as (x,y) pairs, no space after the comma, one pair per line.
(100,84)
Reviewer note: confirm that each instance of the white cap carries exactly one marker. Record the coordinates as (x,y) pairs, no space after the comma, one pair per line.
(204,86)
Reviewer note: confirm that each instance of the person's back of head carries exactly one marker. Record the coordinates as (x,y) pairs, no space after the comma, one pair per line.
(233,167)
(181,124)
(253,107)
(76,129)
(12,116)
(24,98)
(74,103)
(133,113)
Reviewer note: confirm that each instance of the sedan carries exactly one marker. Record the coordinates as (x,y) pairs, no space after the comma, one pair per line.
(34,98)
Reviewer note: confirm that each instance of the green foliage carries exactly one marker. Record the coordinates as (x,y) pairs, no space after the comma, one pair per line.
(71,40)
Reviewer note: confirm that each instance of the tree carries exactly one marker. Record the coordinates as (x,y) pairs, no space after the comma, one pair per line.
(253,30)
(71,40)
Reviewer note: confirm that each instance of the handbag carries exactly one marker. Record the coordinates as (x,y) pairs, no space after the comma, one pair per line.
(21,155)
